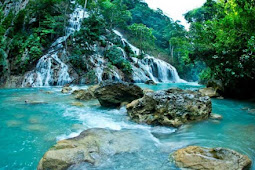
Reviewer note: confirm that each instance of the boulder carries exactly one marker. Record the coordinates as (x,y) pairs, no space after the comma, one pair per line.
(66,89)
(91,146)
(172,107)
(112,94)
(209,91)
(150,82)
(87,94)
(199,158)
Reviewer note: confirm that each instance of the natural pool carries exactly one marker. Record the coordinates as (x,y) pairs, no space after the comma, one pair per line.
(28,131)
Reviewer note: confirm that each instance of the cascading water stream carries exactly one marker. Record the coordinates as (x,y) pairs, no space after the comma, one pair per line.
(50,70)
(151,68)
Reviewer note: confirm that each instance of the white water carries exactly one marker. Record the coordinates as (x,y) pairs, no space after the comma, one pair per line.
(100,69)
(50,70)
(124,41)
(151,68)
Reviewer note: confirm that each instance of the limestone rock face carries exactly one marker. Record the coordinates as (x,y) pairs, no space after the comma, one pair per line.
(92,146)
(172,107)
(87,94)
(112,94)
(199,158)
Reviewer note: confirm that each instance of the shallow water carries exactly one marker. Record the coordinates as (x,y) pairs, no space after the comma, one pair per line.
(27,131)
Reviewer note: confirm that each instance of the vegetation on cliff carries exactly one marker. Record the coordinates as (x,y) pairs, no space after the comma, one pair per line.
(222,35)
(26,34)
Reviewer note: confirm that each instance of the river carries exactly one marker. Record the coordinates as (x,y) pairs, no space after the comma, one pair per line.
(28,131)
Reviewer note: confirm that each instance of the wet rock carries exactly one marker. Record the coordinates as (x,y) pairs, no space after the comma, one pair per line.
(35,102)
(112,94)
(147,91)
(216,117)
(35,127)
(172,107)
(150,82)
(252,111)
(34,120)
(87,94)
(13,123)
(210,91)
(217,85)
(66,89)
(14,82)
(195,157)
(245,108)
(48,92)
(91,146)
(78,104)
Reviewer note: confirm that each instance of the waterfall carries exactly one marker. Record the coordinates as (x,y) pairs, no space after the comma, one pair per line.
(125,42)
(100,66)
(150,68)
(50,70)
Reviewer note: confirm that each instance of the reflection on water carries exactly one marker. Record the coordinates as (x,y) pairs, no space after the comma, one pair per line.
(27,131)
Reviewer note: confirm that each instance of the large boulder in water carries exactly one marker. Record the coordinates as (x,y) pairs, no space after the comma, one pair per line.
(92,146)
(199,158)
(87,94)
(112,94)
(172,107)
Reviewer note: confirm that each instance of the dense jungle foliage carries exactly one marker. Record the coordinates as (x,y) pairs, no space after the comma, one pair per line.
(26,35)
(222,34)
(221,37)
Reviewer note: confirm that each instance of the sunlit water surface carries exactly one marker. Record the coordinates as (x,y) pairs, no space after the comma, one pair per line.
(28,131)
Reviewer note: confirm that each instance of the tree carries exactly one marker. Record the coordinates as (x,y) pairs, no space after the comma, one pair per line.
(115,13)
(143,34)
(224,41)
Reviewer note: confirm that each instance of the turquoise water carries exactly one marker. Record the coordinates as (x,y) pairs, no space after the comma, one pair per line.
(28,131)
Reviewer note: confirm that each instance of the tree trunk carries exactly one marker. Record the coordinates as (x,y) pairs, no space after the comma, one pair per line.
(65,24)
(172,54)
(85,6)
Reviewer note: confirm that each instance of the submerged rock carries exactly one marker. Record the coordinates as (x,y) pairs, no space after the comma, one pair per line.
(195,157)
(48,92)
(34,120)
(216,117)
(91,146)
(35,127)
(13,123)
(112,94)
(172,107)
(66,89)
(209,91)
(150,82)
(78,104)
(35,102)
(87,94)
